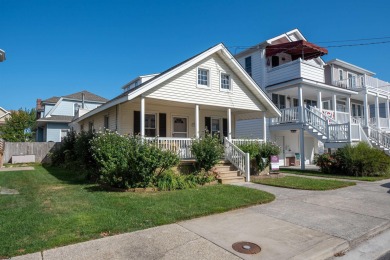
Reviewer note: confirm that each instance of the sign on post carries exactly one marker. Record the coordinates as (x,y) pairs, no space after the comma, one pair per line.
(274,163)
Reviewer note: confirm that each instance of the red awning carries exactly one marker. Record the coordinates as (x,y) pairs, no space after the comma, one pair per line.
(298,49)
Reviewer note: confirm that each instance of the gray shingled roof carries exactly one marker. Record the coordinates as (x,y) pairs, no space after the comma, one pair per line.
(65,119)
(88,96)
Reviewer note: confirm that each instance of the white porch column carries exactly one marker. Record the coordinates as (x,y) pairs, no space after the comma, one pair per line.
(334,103)
(387,112)
(365,109)
(349,121)
(302,147)
(302,130)
(264,127)
(142,116)
(377,121)
(300,100)
(197,121)
(319,100)
(229,123)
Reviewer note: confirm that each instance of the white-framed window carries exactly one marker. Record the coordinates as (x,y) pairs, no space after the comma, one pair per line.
(106,122)
(351,80)
(326,104)
(215,126)
(225,82)
(203,77)
(279,100)
(341,77)
(150,125)
(64,133)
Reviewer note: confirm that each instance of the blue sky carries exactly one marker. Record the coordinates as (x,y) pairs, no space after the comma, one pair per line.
(57,48)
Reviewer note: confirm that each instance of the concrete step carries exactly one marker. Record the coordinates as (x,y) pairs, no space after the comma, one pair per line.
(225,168)
(230,180)
(228,174)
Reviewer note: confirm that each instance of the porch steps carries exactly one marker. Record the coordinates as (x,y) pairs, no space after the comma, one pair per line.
(228,173)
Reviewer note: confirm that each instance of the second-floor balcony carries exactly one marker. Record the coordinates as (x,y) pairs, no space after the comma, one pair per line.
(372,84)
(294,70)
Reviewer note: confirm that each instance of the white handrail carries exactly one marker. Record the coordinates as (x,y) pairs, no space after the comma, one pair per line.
(238,158)
(246,141)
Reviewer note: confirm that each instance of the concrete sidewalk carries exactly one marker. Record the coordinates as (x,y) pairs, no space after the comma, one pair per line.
(297,225)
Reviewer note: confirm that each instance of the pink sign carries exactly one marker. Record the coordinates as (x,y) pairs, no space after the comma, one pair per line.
(274,163)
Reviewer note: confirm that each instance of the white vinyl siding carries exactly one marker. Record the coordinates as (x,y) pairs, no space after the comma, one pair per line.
(66,108)
(257,67)
(182,88)
(53,131)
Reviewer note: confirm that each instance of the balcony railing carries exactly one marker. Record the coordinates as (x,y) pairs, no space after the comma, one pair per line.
(288,115)
(294,70)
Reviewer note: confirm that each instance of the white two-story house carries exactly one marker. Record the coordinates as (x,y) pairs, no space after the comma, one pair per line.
(54,114)
(323,105)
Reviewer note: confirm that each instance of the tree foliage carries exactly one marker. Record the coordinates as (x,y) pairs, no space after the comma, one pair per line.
(20,126)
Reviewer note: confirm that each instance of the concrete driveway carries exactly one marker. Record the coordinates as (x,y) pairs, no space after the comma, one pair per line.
(297,225)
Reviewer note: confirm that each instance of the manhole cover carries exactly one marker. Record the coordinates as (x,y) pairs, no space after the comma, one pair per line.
(246,248)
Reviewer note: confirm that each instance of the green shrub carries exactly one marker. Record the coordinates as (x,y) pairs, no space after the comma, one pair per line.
(202,177)
(257,152)
(64,155)
(207,151)
(172,181)
(359,160)
(128,162)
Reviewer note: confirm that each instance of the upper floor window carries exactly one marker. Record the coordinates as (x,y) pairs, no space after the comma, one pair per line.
(225,81)
(279,100)
(203,77)
(248,65)
(90,127)
(341,77)
(106,122)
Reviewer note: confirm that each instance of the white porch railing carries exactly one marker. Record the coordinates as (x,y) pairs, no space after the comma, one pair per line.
(180,146)
(316,121)
(246,141)
(382,139)
(383,122)
(339,132)
(288,115)
(238,158)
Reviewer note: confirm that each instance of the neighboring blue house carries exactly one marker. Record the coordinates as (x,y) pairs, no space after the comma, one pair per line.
(55,114)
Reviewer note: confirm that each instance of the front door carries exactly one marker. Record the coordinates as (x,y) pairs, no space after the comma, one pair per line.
(179,127)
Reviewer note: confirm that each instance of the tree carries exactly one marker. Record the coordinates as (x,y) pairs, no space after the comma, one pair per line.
(20,126)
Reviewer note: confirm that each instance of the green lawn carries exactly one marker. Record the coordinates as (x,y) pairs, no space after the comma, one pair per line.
(56,208)
(320,174)
(304,183)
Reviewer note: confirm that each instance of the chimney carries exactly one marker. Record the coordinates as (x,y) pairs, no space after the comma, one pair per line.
(39,104)
(82,100)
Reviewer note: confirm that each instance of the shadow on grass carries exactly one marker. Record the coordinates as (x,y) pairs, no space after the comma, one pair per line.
(69,176)
(100,188)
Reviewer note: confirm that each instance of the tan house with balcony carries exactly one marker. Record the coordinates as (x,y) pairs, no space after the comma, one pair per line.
(3,115)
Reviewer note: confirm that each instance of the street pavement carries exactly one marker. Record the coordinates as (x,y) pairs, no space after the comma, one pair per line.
(297,225)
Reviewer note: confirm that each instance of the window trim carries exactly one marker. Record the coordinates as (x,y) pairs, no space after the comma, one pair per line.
(230,89)
(208,78)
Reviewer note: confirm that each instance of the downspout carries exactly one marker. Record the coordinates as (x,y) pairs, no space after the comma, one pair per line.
(82,100)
